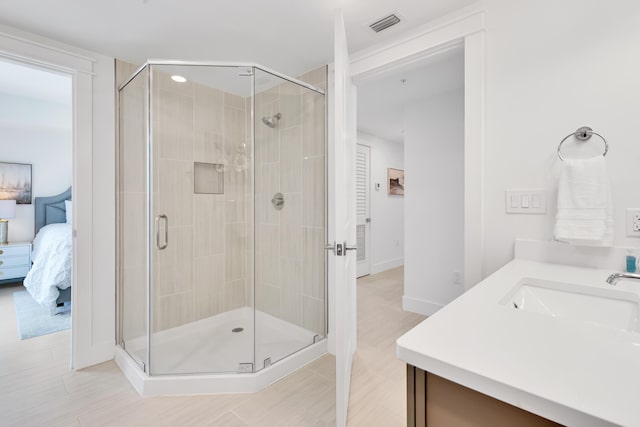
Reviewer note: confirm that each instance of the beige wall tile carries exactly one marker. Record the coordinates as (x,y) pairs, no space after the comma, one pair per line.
(313,262)
(313,124)
(291,159)
(313,191)
(175,191)
(290,105)
(208,147)
(234,101)
(269,267)
(134,297)
(267,139)
(209,286)
(124,70)
(313,315)
(208,109)
(235,252)
(174,265)
(133,138)
(235,294)
(291,241)
(315,77)
(290,292)
(235,194)
(234,121)
(174,118)
(268,301)
(291,213)
(133,246)
(173,310)
(269,186)
(208,224)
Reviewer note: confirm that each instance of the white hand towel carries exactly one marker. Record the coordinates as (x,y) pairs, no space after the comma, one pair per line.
(585,210)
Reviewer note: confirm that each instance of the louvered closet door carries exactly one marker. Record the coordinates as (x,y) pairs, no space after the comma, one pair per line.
(363,209)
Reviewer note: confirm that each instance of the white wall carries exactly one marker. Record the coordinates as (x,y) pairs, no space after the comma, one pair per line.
(434,201)
(37,132)
(551,67)
(387,212)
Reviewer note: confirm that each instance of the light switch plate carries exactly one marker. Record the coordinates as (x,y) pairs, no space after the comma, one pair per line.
(526,201)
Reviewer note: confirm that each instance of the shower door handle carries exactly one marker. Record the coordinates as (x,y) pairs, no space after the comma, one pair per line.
(166,232)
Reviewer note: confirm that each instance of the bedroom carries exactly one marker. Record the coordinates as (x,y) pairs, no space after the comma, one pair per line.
(35,164)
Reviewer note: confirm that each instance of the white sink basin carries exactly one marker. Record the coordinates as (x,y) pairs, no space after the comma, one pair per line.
(606,307)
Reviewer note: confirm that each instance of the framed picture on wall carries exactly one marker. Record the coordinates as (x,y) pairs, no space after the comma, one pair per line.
(15,182)
(395,180)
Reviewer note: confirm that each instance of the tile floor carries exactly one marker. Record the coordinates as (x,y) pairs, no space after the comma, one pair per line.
(37,388)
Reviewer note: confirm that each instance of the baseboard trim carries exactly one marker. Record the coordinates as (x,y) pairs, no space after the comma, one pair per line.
(386,265)
(98,353)
(420,306)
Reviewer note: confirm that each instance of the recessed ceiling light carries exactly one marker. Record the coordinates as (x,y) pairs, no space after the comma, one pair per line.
(178,79)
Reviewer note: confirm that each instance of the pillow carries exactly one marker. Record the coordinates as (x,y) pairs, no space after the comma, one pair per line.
(68,207)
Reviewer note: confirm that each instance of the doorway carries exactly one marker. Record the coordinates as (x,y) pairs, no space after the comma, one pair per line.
(465,30)
(412,119)
(36,174)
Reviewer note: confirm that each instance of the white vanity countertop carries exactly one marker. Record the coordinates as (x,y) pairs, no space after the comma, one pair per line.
(571,372)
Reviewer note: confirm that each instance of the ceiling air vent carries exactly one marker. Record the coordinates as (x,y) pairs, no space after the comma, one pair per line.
(384,23)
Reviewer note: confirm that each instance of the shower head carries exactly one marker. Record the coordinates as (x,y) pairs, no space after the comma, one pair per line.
(271,121)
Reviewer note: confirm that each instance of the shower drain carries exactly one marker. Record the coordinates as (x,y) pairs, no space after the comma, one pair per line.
(236,330)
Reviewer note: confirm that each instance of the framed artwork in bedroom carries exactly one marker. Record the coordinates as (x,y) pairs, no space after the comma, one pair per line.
(15,182)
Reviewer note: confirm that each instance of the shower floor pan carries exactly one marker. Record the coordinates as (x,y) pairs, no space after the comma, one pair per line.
(203,357)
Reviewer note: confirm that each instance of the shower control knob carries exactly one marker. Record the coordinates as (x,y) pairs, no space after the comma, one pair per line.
(278,201)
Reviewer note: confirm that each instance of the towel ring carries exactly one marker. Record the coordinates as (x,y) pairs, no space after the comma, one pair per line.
(583,134)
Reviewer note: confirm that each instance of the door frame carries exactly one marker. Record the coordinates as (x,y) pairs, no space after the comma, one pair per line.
(369,202)
(463,28)
(91,330)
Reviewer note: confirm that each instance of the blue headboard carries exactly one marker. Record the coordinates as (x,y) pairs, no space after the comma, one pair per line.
(51,210)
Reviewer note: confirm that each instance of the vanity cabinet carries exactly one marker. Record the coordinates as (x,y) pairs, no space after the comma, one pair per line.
(436,402)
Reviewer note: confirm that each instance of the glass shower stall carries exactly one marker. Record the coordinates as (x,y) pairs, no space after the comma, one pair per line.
(221,217)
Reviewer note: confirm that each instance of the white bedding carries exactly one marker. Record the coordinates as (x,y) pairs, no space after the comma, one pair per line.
(51,269)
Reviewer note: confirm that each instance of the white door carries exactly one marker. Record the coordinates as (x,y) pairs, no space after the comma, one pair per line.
(363,209)
(345,220)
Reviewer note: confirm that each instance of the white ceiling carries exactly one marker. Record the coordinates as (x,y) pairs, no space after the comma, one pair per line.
(381,101)
(291,36)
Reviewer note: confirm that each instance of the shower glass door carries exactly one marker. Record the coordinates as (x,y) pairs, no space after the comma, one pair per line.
(201,217)
(132,218)
(290,208)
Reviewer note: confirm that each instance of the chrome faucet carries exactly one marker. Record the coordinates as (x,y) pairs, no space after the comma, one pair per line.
(613,279)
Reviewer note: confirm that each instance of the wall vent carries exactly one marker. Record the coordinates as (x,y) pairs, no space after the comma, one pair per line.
(384,23)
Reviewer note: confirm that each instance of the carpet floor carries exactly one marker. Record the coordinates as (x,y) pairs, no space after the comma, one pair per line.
(35,320)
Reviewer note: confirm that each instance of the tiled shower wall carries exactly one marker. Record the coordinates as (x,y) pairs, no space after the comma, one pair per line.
(290,159)
(204,270)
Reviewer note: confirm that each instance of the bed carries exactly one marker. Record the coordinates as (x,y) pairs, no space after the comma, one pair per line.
(49,280)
